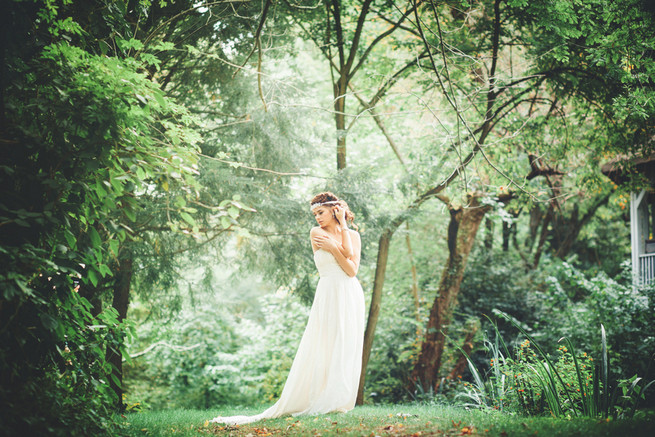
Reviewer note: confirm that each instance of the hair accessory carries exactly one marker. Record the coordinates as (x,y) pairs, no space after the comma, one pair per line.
(316,205)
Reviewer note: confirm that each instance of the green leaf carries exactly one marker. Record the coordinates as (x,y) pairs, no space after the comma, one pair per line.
(93,277)
(179,201)
(129,213)
(104,270)
(70,239)
(159,97)
(187,218)
(95,237)
(113,247)
(100,190)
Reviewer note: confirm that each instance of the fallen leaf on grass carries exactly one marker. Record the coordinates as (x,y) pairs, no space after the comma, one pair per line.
(467,430)
(294,424)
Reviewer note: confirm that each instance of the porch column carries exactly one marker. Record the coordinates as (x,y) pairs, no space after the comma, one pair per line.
(636,234)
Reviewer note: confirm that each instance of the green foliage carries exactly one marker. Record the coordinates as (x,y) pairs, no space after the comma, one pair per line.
(59,363)
(100,165)
(625,310)
(606,50)
(573,385)
(232,345)
(85,138)
(559,294)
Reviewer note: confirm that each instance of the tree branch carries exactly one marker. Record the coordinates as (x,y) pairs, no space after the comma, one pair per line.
(357,36)
(378,121)
(257,44)
(163,343)
(336,13)
(383,35)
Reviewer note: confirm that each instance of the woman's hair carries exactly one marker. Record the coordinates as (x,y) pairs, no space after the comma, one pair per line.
(330,197)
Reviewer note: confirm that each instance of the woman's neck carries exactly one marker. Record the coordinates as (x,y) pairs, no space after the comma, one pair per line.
(331,228)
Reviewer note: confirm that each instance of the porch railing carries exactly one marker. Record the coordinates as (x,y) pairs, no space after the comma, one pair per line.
(646,268)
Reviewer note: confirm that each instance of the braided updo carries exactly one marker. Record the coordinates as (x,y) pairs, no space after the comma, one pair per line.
(330,197)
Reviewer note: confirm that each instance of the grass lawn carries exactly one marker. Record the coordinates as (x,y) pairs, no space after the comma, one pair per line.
(386,420)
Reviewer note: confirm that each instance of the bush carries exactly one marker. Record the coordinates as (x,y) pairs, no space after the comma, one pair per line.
(559,295)
(532,383)
(213,357)
(53,362)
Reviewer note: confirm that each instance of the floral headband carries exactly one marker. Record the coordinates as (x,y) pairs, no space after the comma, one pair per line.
(316,205)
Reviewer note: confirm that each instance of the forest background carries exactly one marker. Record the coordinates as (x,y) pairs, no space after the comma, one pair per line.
(158,158)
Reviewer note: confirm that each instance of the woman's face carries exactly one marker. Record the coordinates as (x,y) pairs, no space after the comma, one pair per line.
(323,215)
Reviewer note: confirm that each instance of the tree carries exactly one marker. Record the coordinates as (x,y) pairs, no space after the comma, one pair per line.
(509,91)
(345,37)
(87,139)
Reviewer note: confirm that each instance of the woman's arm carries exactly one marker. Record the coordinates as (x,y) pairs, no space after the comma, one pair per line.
(346,240)
(313,238)
(350,265)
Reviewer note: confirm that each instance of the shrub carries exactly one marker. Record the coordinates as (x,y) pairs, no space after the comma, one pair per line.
(530,382)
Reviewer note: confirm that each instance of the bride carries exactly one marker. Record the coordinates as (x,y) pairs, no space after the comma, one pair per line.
(324,376)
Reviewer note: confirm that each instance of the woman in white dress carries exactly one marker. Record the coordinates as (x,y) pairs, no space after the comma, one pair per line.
(324,376)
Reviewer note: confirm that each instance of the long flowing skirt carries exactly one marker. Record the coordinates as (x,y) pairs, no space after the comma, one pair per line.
(324,376)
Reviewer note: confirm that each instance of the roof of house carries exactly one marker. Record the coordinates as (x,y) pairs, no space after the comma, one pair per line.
(619,168)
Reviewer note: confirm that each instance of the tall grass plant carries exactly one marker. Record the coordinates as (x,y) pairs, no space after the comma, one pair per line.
(532,382)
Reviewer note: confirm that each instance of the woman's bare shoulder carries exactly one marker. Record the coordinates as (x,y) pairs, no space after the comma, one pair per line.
(316,230)
(354,233)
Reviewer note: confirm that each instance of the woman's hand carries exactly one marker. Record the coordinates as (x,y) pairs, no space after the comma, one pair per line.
(340,214)
(324,242)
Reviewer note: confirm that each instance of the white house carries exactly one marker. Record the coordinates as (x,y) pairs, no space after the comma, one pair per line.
(642,215)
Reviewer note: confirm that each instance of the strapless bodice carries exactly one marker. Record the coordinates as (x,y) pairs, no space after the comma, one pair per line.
(327,265)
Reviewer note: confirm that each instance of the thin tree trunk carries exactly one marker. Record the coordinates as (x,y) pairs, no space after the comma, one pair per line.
(340,119)
(462,229)
(506,236)
(120,303)
(489,235)
(417,305)
(374,310)
(544,233)
(576,225)
(536,216)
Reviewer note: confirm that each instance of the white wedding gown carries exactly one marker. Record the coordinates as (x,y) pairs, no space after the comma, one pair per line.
(324,376)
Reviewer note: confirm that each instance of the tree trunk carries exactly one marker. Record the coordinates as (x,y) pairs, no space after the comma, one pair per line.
(506,236)
(340,118)
(463,227)
(544,234)
(489,235)
(374,310)
(569,229)
(417,304)
(120,302)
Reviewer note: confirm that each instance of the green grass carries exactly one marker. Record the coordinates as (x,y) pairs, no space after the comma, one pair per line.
(387,420)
